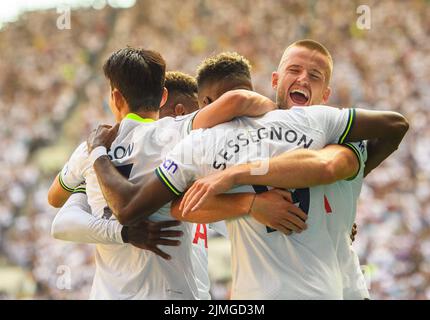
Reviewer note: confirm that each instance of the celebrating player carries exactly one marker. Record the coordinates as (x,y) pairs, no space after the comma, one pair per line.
(141,138)
(315,273)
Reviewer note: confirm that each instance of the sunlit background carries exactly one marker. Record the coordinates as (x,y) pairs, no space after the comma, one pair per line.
(52,93)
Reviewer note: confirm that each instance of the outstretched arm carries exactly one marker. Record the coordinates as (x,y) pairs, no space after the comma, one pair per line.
(57,195)
(384,130)
(290,170)
(232,104)
(377,151)
(272,208)
(304,168)
(74,222)
(70,176)
(130,203)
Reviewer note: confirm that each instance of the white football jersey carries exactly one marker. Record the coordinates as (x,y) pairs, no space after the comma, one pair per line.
(124,271)
(72,174)
(199,242)
(340,206)
(266,263)
(78,168)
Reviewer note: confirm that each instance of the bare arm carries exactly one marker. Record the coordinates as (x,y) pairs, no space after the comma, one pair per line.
(384,129)
(378,150)
(232,104)
(300,168)
(57,195)
(130,202)
(272,208)
(290,170)
(218,208)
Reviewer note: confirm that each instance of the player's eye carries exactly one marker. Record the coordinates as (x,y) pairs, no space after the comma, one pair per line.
(315,76)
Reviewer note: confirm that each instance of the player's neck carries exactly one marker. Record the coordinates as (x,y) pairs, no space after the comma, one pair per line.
(154,115)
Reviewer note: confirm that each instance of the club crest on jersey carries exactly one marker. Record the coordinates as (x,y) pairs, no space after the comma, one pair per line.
(120,152)
(170,166)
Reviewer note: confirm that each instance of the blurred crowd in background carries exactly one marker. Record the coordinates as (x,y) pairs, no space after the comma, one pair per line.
(53,92)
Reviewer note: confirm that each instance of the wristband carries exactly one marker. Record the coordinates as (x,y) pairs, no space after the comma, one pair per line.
(97,153)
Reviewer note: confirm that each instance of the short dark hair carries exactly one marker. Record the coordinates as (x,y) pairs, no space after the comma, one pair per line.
(177,81)
(139,75)
(225,64)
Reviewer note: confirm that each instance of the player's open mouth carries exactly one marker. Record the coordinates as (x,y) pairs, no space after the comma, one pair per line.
(299,97)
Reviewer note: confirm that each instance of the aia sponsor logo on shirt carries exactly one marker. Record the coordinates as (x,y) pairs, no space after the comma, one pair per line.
(170,166)
(201,234)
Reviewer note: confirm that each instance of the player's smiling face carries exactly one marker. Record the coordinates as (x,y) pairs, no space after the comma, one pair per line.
(302,78)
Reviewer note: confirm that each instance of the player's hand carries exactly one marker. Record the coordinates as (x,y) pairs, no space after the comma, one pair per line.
(148,235)
(275,209)
(204,188)
(353,232)
(103,136)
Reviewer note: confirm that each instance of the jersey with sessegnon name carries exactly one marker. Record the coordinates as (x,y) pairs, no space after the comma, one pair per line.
(266,263)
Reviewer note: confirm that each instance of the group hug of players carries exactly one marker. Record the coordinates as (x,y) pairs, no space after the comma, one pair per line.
(280,180)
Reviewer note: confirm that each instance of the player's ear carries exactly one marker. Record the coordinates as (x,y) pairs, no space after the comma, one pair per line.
(164,97)
(118,99)
(206,100)
(326,95)
(179,109)
(275,78)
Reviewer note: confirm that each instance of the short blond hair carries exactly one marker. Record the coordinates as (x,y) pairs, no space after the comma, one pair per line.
(311,45)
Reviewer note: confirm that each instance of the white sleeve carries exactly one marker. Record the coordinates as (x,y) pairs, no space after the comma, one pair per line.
(74,222)
(333,122)
(181,165)
(360,150)
(72,174)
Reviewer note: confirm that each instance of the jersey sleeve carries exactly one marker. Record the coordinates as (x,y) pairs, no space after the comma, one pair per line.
(74,222)
(335,123)
(181,165)
(360,150)
(72,174)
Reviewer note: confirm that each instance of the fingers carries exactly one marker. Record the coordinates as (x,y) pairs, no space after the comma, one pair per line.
(298,212)
(192,200)
(291,226)
(171,234)
(292,218)
(166,224)
(200,201)
(167,242)
(115,128)
(284,193)
(284,230)
(161,253)
(187,194)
